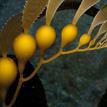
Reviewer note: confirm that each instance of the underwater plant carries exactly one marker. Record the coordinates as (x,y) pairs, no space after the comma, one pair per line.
(25,45)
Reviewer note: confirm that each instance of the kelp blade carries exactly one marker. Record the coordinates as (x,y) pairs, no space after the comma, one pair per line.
(103,29)
(11,29)
(101,40)
(100,18)
(52,7)
(32,10)
(84,6)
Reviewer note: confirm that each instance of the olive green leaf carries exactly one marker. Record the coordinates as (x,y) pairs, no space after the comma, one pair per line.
(10,30)
(84,6)
(51,9)
(31,12)
(100,18)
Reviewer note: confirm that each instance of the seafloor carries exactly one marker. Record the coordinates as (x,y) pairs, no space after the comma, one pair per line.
(77,80)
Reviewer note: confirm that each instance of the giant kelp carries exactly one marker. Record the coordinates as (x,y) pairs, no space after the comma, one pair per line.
(28,18)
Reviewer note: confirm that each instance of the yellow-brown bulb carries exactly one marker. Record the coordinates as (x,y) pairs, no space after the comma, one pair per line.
(45,37)
(69,33)
(8,71)
(24,46)
(84,39)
